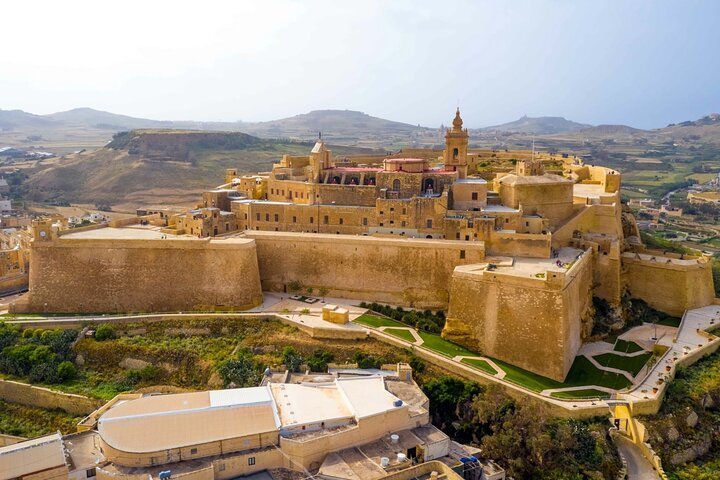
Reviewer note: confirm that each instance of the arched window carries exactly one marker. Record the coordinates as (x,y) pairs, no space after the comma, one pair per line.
(396,185)
(429,184)
(455,152)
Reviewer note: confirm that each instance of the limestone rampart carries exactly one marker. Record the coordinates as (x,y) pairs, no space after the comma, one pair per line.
(32,396)
(534,323)
(409,272)
(671,286)
(134,275)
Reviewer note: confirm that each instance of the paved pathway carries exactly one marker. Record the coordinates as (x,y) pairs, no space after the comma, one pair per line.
(638,467)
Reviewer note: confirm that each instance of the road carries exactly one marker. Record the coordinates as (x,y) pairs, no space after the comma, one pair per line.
(638,467)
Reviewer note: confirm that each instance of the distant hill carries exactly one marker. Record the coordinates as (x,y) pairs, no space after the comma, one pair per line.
(610,130)
(333,124)
(143,167)
(538,126)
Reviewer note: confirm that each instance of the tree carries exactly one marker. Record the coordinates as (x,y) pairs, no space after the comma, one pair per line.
(8,335)
(323,291)
(319,359)
(242,372)
(291,358)
(66,371)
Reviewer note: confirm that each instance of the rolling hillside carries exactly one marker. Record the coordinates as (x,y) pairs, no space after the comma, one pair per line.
(538,126)
(145,167)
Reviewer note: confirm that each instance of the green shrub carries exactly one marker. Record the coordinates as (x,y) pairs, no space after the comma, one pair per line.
(46,372)
(291,359)
(365,360)
(105,332)
(417,364)
(319,359)
(242,372)
(8,335)
(66,371)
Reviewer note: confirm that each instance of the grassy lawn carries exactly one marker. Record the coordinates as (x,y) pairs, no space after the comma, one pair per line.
(401,333)
(583,372)
(438,344)
(670,321)
(580,394)
(627,347)
(629,364)
(480,365)
(30,422)
(375,321)
(532,381)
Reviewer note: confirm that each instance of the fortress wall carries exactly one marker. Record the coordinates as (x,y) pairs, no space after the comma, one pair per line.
(360,195)
(134,275)
(392,270)
(670,288)
(40,397)
(15,282)
(519,244)
(530,322)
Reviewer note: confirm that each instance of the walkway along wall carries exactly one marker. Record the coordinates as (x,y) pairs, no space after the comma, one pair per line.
(410,272)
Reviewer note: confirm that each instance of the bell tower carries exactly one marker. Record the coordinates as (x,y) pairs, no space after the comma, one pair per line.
(456,143)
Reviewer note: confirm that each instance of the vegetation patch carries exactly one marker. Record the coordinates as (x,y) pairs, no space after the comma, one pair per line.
(585,393)
(425,320)
(480,365)
(31,422)
(627,347)
(376,321)
(438,344)
(402,333)
(633,365)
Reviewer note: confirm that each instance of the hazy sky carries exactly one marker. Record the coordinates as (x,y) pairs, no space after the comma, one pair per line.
(642,63)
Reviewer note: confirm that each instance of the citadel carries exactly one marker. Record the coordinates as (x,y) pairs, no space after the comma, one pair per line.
(514,257)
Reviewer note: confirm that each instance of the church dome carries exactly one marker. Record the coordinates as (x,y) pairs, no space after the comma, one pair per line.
(457,121)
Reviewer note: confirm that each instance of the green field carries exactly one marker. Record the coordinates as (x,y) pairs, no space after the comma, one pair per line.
(580,394)
(480,365)
(627,347)
(401,333)
(628,364)
(436,343)
(377,322)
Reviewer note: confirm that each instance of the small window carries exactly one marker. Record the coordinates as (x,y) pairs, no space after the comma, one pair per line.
(294,219)
(257,217)
(267,217)
(90,473)
(326,220)
(429,223)
(246,216)
(527,224)
(365,221)
(467,238)
(392,209)
(221,467)
(404,210)
(381,212)
(193,451)
(251,461)
(457,235)
(312,219)
(277,217)
(341,221)
(507,220)
(403,223)
(462,254)
(474,195)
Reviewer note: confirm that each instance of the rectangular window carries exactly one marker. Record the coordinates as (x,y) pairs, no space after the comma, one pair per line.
(507,220)
(392,209)
(467,238)
(193,451)
(257,217)
(462,253)
(294,219)
(341,221)
(457,235)
(246,216)
(365,221)
(403,223)
(312,219)
(474,195)
(404,210)
(277,217)
(326,220)
(251,461)
(381,212)
(90,473)
(527,224)
(429,223)
(267,217)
